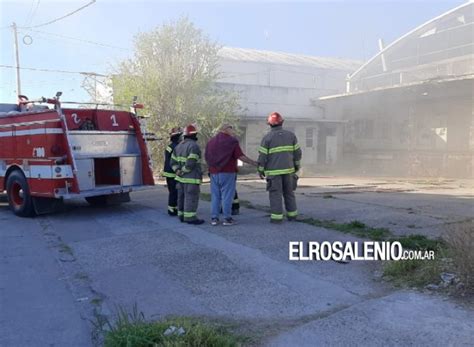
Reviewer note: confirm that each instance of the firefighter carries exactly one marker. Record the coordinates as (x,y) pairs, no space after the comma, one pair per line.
(186,163)
(278,162)
(175,135)
(236,204)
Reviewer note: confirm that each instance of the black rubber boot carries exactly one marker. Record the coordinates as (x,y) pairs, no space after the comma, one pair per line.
(196,222)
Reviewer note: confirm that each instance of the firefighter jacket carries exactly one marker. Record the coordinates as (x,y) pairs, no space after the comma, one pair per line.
(279,153)
(167,170)
(186,162)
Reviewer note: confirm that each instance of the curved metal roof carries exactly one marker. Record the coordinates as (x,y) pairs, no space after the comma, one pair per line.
(423,27)
(253,55)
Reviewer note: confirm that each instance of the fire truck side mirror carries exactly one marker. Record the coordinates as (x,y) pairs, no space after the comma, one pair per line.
(58,94)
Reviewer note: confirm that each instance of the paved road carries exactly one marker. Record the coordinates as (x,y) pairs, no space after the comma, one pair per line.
(57,270)
(37,307)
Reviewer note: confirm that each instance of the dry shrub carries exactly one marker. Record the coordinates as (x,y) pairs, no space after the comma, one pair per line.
(460,238)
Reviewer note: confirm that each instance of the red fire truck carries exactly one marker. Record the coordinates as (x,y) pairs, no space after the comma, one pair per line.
(50,154)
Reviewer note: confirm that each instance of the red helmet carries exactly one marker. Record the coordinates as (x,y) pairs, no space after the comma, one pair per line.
(176,131)
(190,130)
(275,118)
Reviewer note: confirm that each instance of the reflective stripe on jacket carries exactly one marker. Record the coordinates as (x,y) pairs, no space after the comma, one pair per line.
(167,170)
(186,157)
(279,153)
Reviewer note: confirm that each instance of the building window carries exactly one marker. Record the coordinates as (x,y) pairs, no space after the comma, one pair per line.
(309,137)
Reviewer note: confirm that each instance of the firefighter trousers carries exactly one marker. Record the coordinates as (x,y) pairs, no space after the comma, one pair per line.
(282,186)
(172,195)
(188,200)
(236,203)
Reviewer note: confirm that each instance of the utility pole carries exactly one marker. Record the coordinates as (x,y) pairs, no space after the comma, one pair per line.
(17,59)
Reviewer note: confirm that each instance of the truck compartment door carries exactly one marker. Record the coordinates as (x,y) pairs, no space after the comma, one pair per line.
(131,171)
(85,174)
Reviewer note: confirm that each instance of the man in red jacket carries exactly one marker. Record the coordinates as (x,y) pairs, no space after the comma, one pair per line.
(222,153)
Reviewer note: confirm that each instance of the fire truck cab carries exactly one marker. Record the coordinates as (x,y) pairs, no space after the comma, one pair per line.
(47,155)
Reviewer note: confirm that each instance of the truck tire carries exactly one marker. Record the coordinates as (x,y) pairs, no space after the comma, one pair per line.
(100,200)
(18,194)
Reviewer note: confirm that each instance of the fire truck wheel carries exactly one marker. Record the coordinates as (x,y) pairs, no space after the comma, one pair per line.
(100,200)
(18,194)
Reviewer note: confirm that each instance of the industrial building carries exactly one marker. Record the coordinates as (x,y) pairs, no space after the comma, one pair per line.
(288,83)
(409,109)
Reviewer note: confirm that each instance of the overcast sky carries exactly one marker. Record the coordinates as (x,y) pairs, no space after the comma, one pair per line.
(344,29)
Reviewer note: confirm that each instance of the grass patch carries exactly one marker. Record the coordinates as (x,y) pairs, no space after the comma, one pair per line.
(413,273)
(132,330)
(419,242)
(355,227)
(418,273)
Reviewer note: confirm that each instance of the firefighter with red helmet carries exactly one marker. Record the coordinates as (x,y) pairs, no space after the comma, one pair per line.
(186,163)
(175,136)
(279,161)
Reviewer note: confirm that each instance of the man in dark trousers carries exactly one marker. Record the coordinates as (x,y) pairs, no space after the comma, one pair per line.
(175,136)
(186,163)
(222,153)
(278,161)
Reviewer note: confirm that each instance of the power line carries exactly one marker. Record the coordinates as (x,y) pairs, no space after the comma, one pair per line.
(79,40)
(30,11)
(60,18)
(58,71)
(32,14)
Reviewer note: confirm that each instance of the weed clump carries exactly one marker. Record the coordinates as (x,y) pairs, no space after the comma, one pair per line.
(460,240)
(130,329)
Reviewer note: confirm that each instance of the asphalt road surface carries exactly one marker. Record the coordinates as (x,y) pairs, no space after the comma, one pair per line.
(58,272)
